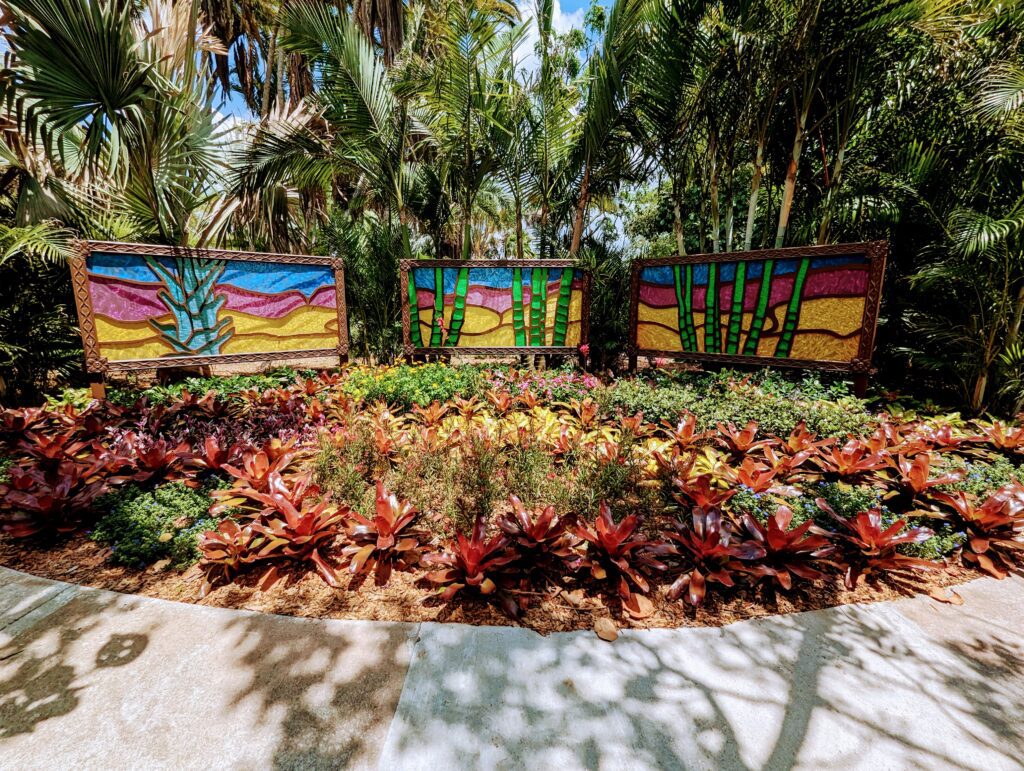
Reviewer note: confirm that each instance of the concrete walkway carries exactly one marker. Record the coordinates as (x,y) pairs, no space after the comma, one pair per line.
(93,679)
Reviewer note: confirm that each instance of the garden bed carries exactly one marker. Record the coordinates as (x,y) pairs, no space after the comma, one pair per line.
(496,496)
(82,561)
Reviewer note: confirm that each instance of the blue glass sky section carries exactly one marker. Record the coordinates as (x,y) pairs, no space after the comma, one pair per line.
(265,277)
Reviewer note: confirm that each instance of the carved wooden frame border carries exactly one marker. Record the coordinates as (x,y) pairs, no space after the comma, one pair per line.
(97,364)
(406,265)
(875,252)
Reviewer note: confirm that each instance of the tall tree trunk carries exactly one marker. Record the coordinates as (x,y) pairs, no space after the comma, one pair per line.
(267,80)
(730,214)
(518,320)
(581,211)
(677,226)
(519,227)
(789,189)
(832,185)
(280,76)
(755,189)
(677,217)
(713,193)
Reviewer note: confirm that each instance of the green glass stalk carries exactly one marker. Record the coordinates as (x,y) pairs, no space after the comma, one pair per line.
(459,306)
(785,343)
(518,321)
(438,320)
(414,312)
(712,334)
(764,294)
(562,308)
(536,309)
(739,288)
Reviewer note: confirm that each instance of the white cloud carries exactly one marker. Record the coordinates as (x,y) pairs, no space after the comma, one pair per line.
(560,22)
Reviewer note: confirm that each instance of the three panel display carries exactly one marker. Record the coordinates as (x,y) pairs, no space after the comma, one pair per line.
(143,307)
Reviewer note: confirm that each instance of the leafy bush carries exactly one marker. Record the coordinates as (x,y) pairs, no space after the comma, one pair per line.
(142,526)
(222,385)
(39,342)
(564,384)
(776,410)
(406,386)
(981,477)
(846,500)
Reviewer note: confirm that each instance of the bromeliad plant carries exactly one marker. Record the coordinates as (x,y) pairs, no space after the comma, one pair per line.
(295,526)
(617,554)
(867,547)
(224,552)
(477,563)
(799,551)
(40,500)
(912,477)
(385,543)
(994,527)
(541,539)
(704,550)
(854,462)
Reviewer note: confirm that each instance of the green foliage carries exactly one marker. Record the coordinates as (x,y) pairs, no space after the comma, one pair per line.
(777,406)
(945,541)
(371,250)
(611,479)
(406,386)
(346,468)
(846,500)
(39,342)
(222,385)
(141,526)
(982,476)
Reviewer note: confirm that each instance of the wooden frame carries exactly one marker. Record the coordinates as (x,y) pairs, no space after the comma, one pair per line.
(410,350)
(874,251)
(97,365)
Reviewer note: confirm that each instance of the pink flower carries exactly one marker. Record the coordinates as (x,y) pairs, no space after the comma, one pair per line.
(660,363)
(585,349)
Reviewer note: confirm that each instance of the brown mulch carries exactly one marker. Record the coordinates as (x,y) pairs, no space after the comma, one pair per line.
(80,560)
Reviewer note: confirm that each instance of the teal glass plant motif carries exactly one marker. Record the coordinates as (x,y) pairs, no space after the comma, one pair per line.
(189,293)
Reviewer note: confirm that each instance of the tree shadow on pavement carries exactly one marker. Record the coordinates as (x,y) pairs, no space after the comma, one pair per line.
(329,690)
(41,670)
(843,688)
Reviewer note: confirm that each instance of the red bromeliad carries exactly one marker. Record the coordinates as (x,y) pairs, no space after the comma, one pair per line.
(541,538)
(225,551)
(432,414)
(994,527)
(739,442)
(706,552)
(685,433)
(788,552)
(384,543)
(1004,438)
(295,527)
(700,492)
(868,547)
(617,552)
(478,563)
(854,461)
(49,500)
(912,476)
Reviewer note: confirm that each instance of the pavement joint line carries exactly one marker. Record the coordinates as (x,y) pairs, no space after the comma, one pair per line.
(415,640)
(61,597)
